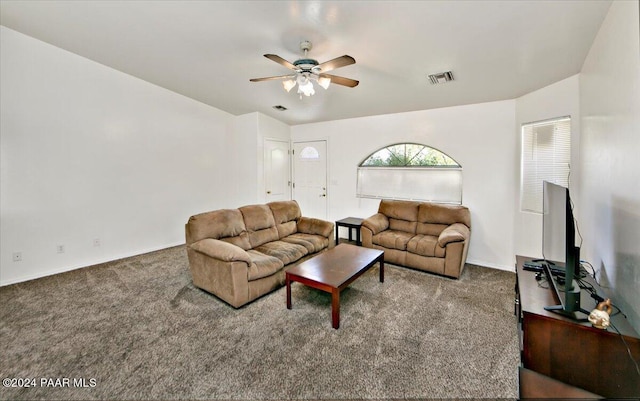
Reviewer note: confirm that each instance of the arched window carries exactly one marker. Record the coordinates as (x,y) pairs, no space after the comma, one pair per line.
(309,152)
(410,171)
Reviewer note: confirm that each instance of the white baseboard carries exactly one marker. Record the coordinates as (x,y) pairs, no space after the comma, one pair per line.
(511,268)
(92,263)
(143,251)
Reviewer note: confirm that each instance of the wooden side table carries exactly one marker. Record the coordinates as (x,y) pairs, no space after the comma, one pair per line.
(350,223)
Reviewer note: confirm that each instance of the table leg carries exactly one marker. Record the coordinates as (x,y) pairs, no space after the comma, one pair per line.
(382,268)
(337,232)
(335,308)
(350,237)
(358,240)
(288,284)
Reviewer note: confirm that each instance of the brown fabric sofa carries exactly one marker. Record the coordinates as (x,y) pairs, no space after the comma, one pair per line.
(240,254)
(426,236)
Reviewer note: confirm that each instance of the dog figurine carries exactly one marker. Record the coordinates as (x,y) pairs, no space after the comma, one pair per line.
(600,316)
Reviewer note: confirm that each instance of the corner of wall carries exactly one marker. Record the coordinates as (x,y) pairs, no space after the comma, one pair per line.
(610,196)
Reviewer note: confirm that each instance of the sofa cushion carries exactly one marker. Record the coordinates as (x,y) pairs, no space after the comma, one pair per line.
(285,251)
(424,245)
(241,240)
(393,239)
(286,215)
(402,225)
(284,211)
(443,214)
(260,224)
(398,209)
(430,228)
(217,224)
(286,229)
(257,217)
(312,242)
(262,265)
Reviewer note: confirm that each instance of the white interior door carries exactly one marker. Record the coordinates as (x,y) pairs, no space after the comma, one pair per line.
(276,170)
(310,177)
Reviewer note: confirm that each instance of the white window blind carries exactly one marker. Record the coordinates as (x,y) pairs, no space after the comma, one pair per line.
(442,185)
(546,156)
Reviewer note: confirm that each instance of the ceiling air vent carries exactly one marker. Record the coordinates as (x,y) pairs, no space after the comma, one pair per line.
(441,77)
(280,107)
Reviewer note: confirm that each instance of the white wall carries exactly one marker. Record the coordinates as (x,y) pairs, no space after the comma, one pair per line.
(250,132)
(246,164)
(556,100)
(480,137)
(610,148)
(91,153)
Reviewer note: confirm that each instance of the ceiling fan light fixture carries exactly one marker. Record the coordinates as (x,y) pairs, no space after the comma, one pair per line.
(324,82)
(305,86)
(288,84)
(306,89)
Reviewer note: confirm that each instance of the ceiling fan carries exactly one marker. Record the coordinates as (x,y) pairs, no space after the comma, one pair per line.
(307,70)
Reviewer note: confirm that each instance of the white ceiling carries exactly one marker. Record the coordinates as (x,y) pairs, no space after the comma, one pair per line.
(208,50)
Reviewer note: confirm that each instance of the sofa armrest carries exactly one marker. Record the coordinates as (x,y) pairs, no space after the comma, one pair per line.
(376,223)
(221,250)
(310,225)
(456,232)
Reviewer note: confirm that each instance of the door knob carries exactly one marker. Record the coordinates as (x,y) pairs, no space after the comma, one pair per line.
(268,192)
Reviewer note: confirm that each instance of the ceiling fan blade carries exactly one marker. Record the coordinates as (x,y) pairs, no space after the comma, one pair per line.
(336,63)
(281,61)
(351,83)
(271,78)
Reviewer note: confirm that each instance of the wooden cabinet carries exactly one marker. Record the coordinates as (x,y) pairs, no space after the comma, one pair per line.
(575,352)
(534,386)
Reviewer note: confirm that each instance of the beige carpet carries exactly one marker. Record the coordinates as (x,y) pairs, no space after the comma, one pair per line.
(138,329)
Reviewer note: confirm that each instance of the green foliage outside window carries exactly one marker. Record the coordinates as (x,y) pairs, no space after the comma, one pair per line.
(408,155)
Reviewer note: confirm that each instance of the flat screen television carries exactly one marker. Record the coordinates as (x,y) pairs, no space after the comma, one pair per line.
(558,248)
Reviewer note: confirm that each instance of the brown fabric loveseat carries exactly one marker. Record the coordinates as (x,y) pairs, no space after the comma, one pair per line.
(240,254)
(426,236)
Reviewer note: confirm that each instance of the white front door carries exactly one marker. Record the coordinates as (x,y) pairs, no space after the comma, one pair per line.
(310,178)
(276,170)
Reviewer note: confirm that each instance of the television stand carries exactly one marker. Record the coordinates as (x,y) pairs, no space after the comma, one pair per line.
(534,386)
(574,352)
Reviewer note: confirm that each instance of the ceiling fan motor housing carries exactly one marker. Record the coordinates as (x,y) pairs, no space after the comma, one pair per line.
(307,64)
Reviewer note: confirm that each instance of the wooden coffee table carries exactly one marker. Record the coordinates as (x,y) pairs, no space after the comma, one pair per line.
(333,270)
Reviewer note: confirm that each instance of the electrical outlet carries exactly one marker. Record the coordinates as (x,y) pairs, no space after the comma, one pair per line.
(60,248)
(96,242)
(17,256)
